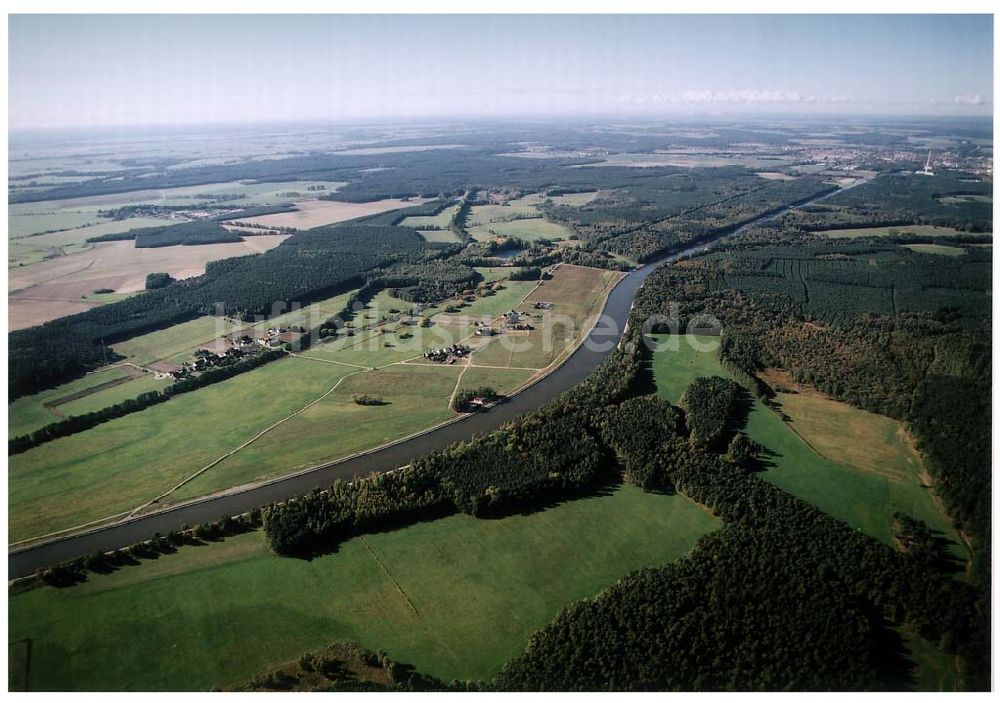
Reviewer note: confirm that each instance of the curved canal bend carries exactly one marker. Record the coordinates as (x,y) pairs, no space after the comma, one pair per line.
(596,347)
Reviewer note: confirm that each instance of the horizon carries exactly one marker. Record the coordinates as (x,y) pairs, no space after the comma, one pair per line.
(73,72)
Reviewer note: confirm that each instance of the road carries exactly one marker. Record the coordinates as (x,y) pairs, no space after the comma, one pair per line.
(599,343)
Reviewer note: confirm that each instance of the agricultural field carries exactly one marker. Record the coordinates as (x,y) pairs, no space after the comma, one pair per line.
(917,230)
(93,402)
(842,483)
(166,343)
(939,249)
(488,221)
(316,213)
(573,199)
(456,597)
(442,219)
(34,248)
(29,413)
(573,295)
(152,449)
(444,236)
(528,230)
(415,398)
(309,316)
(59,286)
(119,465)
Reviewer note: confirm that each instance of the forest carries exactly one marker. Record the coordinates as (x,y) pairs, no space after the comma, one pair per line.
(871,323)
(905,199)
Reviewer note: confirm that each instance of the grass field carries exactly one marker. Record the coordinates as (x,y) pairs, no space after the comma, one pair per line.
(573,199)
(416,397)
(309,316)
(28,413)
(918,230)
(497,218)
(121,464)
(529,230)
(216,615)
(442,219)
(26,250)
(317,213)
(111,396)
(170,341)
(439,235)
(855,494)
(503,381)
(941,249)
(575,294)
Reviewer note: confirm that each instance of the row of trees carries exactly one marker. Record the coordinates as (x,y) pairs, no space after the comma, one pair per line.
(80,423)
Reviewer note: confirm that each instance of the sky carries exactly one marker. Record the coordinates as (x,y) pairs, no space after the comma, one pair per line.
(90,70)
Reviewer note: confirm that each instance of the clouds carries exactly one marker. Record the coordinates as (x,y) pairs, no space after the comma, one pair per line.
(974,99)
(741,97)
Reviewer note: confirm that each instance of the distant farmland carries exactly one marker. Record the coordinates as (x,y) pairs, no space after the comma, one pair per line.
(316,213)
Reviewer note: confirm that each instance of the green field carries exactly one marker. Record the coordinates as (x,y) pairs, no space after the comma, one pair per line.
(121,464)
(503,381)
(416,397)
(25,249)
(918,230)
(112,396)
(439,235)
(171,341)
(442,219)
(309,316)
(484,214)
(217,615)
(859,497)
(529,230)
(940,249)
(495,273)
(28,413)
(498,218)
(573,199)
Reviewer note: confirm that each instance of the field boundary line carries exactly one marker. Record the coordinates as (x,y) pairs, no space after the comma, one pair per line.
(388,573)
(245,444)
(330,361)
(458,382)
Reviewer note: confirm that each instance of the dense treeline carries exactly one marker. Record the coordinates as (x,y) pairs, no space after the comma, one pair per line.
(646,220)
(634,430)
(470,399)
(525,462)
(428,281)
(159,279)
(79,423)
(907,199)
(305,267)
(184,234)
(923,358)
(745,610)
(711,404)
